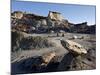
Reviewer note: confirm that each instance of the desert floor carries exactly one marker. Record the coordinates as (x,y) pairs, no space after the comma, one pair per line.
(88,42)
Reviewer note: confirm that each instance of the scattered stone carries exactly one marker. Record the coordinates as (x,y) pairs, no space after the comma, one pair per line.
(74,37)
(51,31)
(57,34)
(62,31)
(63,35)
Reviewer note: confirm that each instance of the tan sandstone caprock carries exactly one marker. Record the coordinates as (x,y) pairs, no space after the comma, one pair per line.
(48,57)
(73,47)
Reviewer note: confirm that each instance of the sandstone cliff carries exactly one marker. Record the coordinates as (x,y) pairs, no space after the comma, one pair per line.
(29,22)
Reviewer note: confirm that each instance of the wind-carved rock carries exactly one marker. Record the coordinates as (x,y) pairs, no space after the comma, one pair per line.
(73,47)
(48,57)
(55,16)
(17,14)
(54,21)
(39,63)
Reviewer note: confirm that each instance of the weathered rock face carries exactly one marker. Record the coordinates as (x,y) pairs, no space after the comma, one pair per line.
(91,29)
(83,28)
(55,16)
(73,47)
(15,40)
(54,21)
(48,57)
(17,14)
(40,61)
(43,22)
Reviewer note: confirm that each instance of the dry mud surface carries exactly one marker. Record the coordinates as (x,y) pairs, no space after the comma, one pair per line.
(63,60)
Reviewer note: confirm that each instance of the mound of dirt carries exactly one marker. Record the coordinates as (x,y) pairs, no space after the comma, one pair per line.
(19,42)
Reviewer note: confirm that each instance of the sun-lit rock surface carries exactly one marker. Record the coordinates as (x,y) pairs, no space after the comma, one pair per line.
(73,47)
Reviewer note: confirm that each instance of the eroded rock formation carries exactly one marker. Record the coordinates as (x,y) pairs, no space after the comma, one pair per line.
(54,21)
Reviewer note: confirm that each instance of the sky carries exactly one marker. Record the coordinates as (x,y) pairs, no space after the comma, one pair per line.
(73,13)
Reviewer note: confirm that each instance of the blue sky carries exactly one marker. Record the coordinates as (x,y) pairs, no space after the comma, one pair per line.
(74,13)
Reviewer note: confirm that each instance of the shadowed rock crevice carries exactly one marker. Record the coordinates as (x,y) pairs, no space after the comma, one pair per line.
(65,63)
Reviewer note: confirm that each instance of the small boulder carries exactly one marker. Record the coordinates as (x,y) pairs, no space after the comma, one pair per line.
(74,37)
(48,57)
(39,62)
(73,47)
